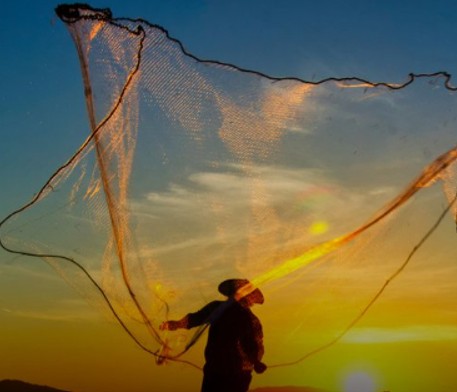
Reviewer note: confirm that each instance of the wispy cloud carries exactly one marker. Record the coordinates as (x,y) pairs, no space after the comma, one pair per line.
(236,189)
(414,333)
(246,217)
(64,310)
(21,269)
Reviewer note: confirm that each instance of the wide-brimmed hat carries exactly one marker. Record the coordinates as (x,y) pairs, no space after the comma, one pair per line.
(230,287)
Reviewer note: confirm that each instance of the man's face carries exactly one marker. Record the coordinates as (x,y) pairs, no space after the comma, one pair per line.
(253,298)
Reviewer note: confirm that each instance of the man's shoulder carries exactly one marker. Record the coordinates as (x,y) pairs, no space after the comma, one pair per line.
(215,304)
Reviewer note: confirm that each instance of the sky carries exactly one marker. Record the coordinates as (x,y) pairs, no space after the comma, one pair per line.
(51,335)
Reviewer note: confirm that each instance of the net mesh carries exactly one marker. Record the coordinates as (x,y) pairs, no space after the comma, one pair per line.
(198,171)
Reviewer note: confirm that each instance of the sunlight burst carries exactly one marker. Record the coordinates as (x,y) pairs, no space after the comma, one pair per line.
(359,382)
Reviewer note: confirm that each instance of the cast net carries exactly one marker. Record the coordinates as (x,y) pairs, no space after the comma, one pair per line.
(198,171)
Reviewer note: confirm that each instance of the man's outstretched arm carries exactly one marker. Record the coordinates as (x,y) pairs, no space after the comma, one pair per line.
(192,320)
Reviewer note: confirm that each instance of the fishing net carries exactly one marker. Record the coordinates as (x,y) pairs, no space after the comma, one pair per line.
(198,171)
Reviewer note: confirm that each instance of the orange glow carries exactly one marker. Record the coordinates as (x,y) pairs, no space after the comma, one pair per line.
(363,85)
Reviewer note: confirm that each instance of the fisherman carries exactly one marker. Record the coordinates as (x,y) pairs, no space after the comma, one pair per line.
(235,339)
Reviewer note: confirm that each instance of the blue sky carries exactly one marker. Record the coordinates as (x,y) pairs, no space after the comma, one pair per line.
(42,113)
(41,107)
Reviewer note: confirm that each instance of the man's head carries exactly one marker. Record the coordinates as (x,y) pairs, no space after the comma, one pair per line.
(233,288)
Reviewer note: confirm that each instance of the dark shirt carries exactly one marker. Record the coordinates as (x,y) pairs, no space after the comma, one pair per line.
(235,337)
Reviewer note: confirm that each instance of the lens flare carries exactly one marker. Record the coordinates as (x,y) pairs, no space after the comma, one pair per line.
(318,227)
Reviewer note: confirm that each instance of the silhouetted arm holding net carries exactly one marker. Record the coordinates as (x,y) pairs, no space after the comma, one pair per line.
(192,320)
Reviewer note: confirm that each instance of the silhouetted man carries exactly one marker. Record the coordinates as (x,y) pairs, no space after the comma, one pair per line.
(235,338)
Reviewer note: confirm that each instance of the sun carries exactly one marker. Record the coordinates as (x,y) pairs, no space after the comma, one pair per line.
(359,382)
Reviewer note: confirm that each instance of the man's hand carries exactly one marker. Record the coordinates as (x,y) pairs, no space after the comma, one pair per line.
(260,367)
(169,325)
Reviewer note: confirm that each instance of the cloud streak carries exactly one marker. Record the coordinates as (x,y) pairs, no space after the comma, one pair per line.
(67,310)
(413,333)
